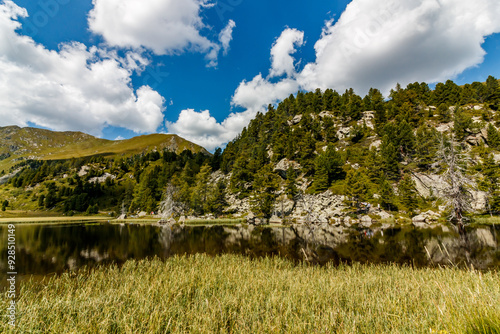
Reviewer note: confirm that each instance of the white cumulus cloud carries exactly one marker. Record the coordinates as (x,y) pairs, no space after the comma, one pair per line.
(226,36)
(374,44)
(75,88)
(380,43)
(203,129)
(282,61)
(167,27)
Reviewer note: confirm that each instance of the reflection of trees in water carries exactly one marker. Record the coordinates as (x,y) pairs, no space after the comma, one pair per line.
(44,249)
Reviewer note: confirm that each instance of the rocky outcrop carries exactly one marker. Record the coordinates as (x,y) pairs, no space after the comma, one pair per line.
(284,164)
(366,221)
(319,208)
(425,219)
(4,179)
(102,179)
(368,119)
(294,121)
(428,185)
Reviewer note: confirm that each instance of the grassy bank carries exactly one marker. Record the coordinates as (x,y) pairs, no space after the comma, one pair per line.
(233,294)
(47,220)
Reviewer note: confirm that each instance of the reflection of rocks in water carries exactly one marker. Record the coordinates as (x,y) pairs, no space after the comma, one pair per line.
(54,249)
(480,249)
(93,254)
(72,264)
(325,242)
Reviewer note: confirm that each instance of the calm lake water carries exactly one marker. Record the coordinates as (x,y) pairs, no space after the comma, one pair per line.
(46,249)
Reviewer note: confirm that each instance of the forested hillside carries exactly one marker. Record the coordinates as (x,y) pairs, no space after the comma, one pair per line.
(371,149)
(368,148)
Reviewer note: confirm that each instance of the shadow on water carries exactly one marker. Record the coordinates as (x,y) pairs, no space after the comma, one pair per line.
(46,249)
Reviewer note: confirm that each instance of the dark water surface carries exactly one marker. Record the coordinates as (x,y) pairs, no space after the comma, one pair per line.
(48,249)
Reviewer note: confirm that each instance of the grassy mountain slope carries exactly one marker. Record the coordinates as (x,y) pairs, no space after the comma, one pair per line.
(30,143)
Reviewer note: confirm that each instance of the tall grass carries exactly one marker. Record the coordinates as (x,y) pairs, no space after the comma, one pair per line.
(234,294)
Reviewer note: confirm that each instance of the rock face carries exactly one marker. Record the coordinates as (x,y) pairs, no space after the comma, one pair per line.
(432,184)
(294,121)
(102,179)
(319,208)
(284,164)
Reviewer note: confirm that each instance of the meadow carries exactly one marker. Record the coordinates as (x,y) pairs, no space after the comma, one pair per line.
(235,294)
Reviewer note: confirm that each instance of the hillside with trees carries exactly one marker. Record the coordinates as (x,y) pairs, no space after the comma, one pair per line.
(316,156)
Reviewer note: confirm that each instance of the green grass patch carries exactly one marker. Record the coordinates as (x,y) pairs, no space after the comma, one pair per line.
(234,294)
(486,221)
(215,221)
(52,219)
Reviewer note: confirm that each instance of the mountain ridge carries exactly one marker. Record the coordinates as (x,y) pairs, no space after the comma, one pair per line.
(23,143)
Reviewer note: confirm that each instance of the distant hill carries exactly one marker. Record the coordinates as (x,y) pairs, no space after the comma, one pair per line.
(31,143)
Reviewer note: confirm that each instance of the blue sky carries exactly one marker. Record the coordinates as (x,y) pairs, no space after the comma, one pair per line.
(202,69)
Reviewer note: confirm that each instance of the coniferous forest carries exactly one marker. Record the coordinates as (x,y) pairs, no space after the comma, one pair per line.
(370,149)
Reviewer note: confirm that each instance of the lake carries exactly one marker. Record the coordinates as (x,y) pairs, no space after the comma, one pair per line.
(48,249)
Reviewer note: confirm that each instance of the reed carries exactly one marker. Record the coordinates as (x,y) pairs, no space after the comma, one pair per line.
(235,294)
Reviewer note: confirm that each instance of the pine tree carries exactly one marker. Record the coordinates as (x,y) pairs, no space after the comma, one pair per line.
(320,183)
(490,182)
(217,202)
(41,200)
(389,155)
(405,138)
(291,183)
(407,193)
(426,145)
(199,194)
(264,194)
(356,186)
(492,91)
(462,125)
(444,114)
(493,137)
(387,196)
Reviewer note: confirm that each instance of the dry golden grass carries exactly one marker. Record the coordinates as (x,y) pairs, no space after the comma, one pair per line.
(234,294)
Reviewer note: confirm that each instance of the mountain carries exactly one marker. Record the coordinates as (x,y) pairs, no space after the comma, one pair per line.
(420,153)
(38,144)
